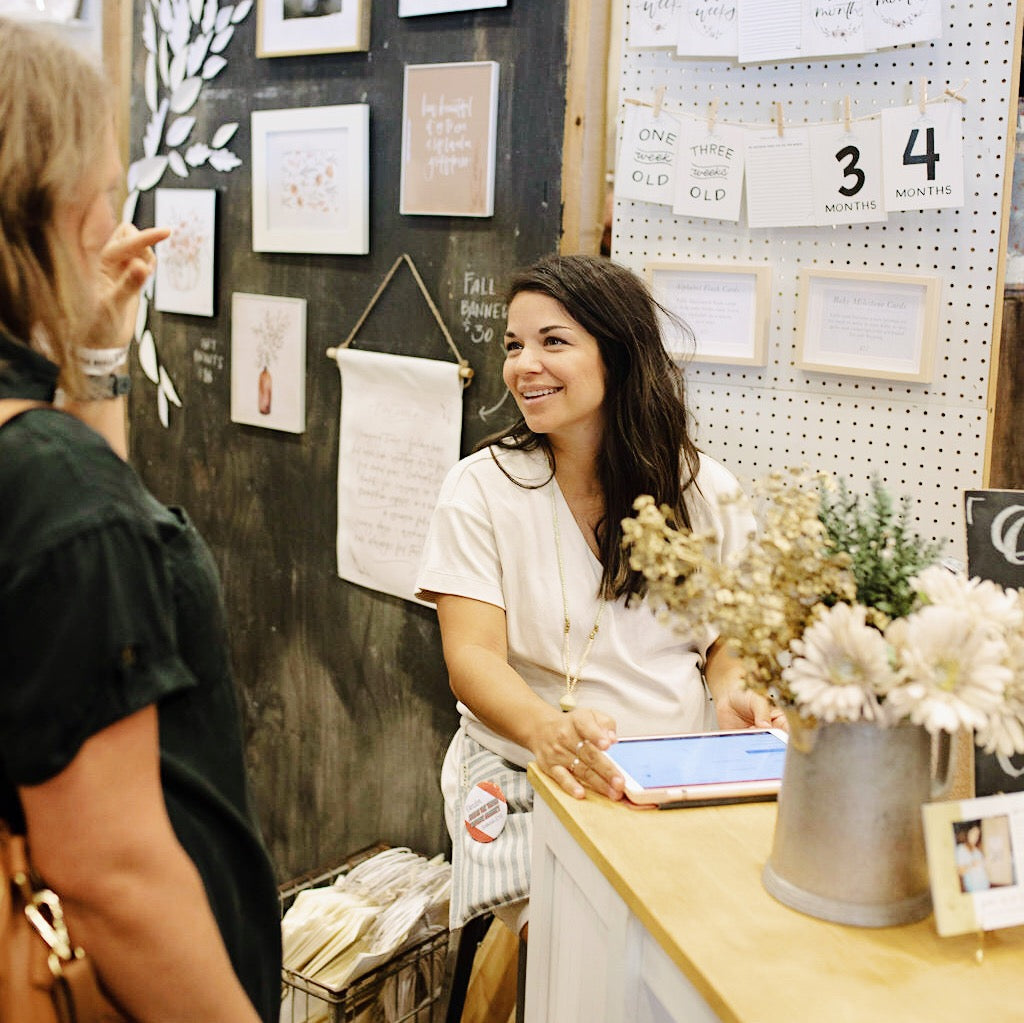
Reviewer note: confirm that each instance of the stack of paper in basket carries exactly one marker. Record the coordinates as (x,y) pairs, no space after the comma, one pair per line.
(335,934)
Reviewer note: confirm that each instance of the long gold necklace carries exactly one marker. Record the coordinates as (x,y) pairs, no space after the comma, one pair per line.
(572,678)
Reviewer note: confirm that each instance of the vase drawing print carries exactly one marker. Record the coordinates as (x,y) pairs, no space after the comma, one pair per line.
(270,334)
(712,18)
(900,13)
(268,361)
(265,391)
(839,19)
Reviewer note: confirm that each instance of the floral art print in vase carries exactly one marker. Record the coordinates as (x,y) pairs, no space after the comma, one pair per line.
(878,652)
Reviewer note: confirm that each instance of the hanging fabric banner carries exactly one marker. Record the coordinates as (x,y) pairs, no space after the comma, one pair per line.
(401,426)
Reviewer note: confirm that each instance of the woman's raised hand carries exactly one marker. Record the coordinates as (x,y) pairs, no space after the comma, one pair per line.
(127,261)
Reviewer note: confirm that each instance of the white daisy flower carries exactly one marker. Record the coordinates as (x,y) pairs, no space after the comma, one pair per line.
(1002,733)
(837,666)
(954,670)
(986,602)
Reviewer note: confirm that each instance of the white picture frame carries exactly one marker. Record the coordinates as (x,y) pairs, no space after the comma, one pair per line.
(414,8)
(976,885)
(268,362)
(184,278)
(449,139)
(311,179)
(284,28)
(867,324)
(725,305)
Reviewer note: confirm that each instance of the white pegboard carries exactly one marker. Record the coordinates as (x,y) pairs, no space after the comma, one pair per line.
(923,440)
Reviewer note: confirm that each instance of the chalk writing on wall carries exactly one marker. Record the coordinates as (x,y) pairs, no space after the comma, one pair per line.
(207,360)
(482,309)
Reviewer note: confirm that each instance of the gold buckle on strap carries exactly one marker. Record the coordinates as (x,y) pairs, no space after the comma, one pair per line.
(46,915)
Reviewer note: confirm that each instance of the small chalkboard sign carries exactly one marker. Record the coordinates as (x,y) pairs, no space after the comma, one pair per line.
(995,551)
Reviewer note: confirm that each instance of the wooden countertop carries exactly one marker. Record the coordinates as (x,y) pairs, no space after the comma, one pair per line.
(693,877)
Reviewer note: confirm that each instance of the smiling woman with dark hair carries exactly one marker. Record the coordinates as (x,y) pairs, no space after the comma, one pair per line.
(548,652)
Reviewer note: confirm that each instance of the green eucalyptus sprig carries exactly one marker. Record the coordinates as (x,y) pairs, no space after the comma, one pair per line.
(885,554)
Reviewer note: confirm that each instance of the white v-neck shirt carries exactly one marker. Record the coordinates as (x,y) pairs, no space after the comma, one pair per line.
(493,540)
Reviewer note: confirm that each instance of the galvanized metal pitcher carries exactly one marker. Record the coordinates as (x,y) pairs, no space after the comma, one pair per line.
(849,841)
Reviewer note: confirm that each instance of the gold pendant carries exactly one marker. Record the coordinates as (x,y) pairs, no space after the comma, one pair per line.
(567,703)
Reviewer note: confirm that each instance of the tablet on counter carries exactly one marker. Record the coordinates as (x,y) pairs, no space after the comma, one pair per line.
(701,769)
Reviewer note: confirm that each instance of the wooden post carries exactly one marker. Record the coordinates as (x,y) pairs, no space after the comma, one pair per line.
(583,163)
(996,403)
(117,63)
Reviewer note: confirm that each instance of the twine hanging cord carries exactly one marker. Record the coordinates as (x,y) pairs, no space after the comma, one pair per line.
(465,370)
(922,98)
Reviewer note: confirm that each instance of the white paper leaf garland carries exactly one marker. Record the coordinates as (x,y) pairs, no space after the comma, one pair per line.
(209,16)
(213,66)
(177,164)
(140,315)
(163,59)
(144,174)
(222,136)
(150,81)
(184,41)
(196,155)
(185,95)
(197,53)
(224,160)
(147,357)
(153,130)
(178,131)
(128,209)
(149,30)
(221,39)
(176,75)
(167,388)
(181,29)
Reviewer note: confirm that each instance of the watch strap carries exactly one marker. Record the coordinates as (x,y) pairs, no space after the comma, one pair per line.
(111,385)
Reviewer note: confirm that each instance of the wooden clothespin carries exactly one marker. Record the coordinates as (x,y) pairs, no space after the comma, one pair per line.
(712,116)
(958,93)
(778,118)
(846,114)
(922,94)
(659,98)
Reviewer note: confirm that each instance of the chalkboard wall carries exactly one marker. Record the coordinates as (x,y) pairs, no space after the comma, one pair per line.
(346,703)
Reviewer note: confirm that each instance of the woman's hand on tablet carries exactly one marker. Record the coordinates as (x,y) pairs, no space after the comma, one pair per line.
(570,750)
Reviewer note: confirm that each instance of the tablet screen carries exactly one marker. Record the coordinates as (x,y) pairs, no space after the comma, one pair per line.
(680,760)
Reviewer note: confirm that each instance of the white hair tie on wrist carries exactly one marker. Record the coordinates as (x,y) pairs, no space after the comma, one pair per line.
(100,362)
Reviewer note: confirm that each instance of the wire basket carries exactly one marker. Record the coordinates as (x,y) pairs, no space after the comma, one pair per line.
(408,988)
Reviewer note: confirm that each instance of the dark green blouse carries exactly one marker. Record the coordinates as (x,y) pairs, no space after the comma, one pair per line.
(110,602)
